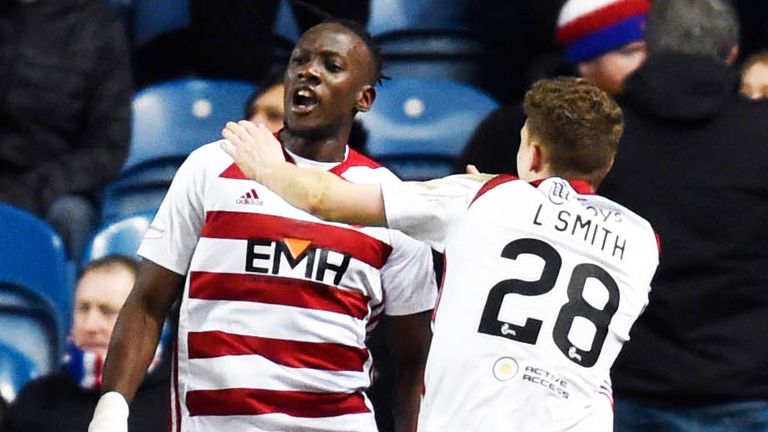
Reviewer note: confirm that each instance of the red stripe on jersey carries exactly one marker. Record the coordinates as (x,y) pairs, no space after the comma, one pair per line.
(277,290)
(243,401)
(295,354)
(233,172)
(601,18)
(354,159)
(492,183)
(658,242)
(244,226)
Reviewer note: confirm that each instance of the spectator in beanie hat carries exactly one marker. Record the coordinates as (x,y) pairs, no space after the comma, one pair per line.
(604,39)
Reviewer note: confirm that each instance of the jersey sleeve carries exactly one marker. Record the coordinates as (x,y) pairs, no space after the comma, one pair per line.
(408,277)
(426,210)
(173,234)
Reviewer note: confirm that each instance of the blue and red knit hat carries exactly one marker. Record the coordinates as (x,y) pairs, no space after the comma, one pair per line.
(591,28)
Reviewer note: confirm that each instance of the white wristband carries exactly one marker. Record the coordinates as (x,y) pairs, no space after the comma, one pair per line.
(111,414)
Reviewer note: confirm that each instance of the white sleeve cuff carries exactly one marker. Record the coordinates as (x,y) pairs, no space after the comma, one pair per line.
(111,414)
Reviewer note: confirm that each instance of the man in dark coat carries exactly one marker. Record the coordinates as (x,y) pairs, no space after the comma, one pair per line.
(65,93)
(693,161)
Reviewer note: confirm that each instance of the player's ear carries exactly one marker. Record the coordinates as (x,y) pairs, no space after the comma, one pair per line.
(537,157)
(365,98)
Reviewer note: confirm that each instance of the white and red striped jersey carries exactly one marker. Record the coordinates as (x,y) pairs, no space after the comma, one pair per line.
(543,282)
(277,304)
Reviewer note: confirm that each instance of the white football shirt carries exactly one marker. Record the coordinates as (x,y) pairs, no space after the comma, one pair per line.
(277,303)
(543,283)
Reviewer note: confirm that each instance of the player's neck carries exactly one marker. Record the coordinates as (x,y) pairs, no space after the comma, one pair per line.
(321,149)
(542,173)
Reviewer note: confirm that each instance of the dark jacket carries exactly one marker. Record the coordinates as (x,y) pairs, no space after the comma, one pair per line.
(494,144)
(65,93)
(56,403)
(694,161)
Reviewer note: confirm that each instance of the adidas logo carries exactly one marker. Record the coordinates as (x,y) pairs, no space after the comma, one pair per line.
(249,198)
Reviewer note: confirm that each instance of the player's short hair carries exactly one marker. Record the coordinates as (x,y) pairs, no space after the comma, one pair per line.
(373,47)
(112,262)
(579,124)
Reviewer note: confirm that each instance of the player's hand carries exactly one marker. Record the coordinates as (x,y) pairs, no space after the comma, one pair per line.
(253,147)
(471,169)
(111,414)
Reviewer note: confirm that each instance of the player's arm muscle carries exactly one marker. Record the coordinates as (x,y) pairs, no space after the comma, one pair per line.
(260,157)
(326,195)
(138,328)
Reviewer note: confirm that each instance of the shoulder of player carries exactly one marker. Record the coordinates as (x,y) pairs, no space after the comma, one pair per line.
(629,215)
(210,157)
(358,168)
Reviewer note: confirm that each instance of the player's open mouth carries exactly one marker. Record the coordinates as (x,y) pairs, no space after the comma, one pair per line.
(304,101)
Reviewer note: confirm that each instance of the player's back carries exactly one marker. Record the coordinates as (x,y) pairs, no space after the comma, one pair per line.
(542,286)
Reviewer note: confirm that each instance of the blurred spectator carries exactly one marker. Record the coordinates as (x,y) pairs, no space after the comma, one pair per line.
(754,76)
(603,40)
(693,162)
(65,94)
(64,401)
(265,105)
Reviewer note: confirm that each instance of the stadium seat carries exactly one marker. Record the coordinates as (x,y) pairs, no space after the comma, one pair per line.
(16,369)
(30,326)
(170,120)
(122,237)
(151,18)
(285,22)
(418,127)
(397,15)
(33,258)
(455,55)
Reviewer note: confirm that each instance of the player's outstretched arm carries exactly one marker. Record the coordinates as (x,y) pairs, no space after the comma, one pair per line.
(260,157)
(133,343)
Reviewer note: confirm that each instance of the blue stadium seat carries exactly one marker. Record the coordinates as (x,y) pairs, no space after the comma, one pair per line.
(33,257)
(16,369)
(418,127)
(122,237)
(170,120)
(30,325)
(397,15)
(152,18)
(285,22)
(455,55)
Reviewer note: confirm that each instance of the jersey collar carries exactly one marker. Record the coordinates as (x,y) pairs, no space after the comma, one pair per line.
(582,187)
